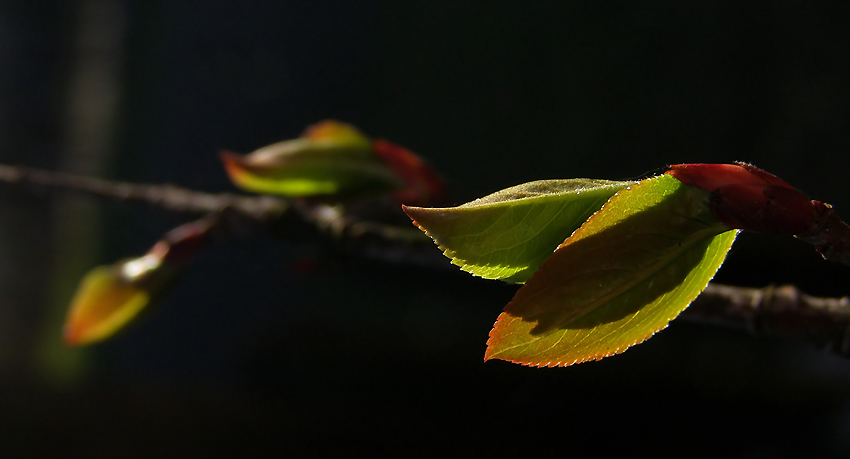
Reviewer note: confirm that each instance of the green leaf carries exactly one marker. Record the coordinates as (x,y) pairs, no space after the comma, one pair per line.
(330,159)
(508,234)
(104,303)
(627,272)
(111,297)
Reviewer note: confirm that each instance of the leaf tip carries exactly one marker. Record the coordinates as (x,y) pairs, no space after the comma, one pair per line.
(413,213)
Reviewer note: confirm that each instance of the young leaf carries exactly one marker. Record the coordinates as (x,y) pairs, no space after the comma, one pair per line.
(621,277)
(508,234)
(111,297)
(334,159)
(744,196)
(103,304)
(331,158)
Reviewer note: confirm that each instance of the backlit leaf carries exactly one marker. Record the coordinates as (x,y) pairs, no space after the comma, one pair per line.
(111,297)
(508,234)
(104,303)
(331,158)
(746,197)
(621,277)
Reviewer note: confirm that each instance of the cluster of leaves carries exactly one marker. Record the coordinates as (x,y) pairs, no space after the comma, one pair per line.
(604,264)
(608,264)
(620,273)
(331,162)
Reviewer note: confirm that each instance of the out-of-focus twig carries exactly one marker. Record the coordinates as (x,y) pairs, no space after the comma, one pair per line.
(167,197)
(394,243)
(780,311)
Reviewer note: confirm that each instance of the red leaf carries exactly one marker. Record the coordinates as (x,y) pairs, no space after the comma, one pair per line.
(746,197)
(423,185)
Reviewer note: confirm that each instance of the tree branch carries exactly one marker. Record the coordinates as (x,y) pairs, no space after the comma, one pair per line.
(282,217)
(781,311)
(167,197)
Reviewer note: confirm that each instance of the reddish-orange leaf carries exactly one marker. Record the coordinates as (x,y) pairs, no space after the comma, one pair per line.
(746,197)
(422,184)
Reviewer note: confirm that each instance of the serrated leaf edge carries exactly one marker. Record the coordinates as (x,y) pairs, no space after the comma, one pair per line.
(601,355)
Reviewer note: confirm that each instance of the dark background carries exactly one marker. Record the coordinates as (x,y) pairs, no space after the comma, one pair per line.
(249,354)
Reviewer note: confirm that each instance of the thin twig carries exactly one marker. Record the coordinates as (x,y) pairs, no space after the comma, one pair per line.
(167,197)
(784,311)
(780,311)
(393,243)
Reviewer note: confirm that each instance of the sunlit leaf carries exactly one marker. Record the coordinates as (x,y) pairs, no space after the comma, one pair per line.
(104,303)
(621,277)
(332,158)
(111,297)
(508,234)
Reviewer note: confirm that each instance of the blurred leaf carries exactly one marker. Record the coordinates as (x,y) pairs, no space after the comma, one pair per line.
(422,184)
(332,158)
(508,234)
(104,303)
(111,297)
(621,277)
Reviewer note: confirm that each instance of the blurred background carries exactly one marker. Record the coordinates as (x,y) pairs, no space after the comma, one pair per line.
(250,353)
